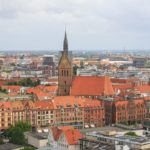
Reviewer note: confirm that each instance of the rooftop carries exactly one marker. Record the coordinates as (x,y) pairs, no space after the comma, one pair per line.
(9,146)
(39,136)
(121,137)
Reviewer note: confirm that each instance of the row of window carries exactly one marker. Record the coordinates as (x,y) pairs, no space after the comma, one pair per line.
(64,72)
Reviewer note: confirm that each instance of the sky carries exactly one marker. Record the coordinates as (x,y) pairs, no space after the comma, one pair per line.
(90,24)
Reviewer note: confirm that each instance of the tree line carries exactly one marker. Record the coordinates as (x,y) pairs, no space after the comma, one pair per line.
(27,82)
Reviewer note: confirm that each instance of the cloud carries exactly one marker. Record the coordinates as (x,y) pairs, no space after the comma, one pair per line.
(98,24)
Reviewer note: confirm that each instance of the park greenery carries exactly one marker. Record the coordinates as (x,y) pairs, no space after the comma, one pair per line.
(27,82)
(16,133)
(1,141)
(28,148)
(3,90)
(131,133)
(75,67)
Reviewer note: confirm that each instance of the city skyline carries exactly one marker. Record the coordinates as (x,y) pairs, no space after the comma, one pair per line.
(35,24)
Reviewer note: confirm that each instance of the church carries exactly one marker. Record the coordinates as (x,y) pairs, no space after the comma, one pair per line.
(87,86)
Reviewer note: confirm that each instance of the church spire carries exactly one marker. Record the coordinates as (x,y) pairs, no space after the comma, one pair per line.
(65,46)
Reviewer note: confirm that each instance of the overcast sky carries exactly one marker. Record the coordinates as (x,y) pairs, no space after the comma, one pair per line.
(91,24)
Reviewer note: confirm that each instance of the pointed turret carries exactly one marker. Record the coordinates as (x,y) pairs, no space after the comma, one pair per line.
(65,70)
(65,46)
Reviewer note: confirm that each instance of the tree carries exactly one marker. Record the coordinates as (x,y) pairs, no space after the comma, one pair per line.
(75,67)
(1,141)
(12,64)
(81,64)
(3,90)
(16,133)
(131,133)
(24,126)
(25,82)
(17,136)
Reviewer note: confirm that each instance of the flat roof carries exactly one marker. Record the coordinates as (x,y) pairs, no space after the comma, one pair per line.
(39,136)
(139,140)
(9,146)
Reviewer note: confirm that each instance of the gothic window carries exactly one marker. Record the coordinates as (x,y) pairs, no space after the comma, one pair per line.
(65,82)
(62,72)
(65,90)
(67,73)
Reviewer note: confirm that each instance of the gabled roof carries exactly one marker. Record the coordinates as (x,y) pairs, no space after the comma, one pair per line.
(56,133)
(118,80)
(66,101)
(6,105)
(145,88)
(12,87)
(72,101)
(43,105)
(71,134)
(122,86)
(91,86)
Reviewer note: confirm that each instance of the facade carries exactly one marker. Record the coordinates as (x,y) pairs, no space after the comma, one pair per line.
(125,111)
(78,112)
(61,111)
(36,139)
(139,62)
(5,115)
(65,70)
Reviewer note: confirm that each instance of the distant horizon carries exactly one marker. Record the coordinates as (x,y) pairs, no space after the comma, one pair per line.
(80,50)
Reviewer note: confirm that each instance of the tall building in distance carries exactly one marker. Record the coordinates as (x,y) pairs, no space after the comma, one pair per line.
(65,70)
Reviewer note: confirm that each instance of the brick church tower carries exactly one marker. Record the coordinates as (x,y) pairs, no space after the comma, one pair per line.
(65,70)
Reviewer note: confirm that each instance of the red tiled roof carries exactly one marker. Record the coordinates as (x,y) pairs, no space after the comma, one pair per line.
(12,87)
(92,103)
(43,105)
(122,86)
(56,133)
(145,88)
(71,101)
(147,98)
(51,88)
(41,94)
(5,105)
(42,91)
(118,80)
(91,86)
(72,135)
(122,102)
(66,101)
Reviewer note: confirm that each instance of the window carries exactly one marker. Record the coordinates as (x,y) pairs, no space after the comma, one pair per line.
(62,72)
